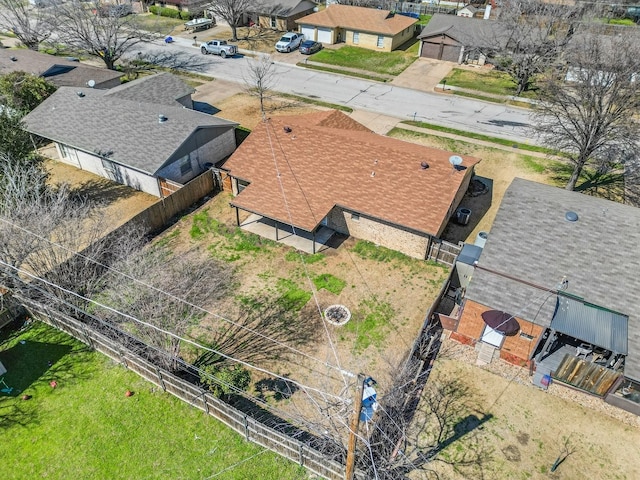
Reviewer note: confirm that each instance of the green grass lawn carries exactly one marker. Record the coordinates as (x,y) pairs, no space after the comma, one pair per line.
(156,23)
(87,428)
(388,63)
(494,81)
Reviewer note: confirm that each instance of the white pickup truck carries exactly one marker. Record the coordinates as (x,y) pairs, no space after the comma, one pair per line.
(218,47)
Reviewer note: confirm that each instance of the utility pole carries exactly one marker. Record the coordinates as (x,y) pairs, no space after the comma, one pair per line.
(353,429)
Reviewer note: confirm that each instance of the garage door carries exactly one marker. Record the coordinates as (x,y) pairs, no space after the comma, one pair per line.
(308,32)
(450,53)
(324,35)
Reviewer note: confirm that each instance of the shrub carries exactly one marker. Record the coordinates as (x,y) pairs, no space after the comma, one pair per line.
(185,16)
(166,12)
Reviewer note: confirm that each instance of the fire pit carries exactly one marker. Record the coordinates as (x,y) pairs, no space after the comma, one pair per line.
(337,314)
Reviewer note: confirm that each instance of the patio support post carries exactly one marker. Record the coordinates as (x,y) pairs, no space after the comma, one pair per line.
(276,224)
(237,216)
(314,241)
(547,344)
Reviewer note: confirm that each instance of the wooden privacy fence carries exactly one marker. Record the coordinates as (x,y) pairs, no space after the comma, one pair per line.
(249,427)
(443,252)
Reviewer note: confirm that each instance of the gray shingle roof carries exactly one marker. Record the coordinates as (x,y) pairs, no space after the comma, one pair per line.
(97,122)
(57,70)
(531,240)
(471,32)
(163,88)
(285,8)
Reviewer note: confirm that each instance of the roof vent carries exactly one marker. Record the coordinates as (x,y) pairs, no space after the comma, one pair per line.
(162,118)
(571,216)
(80,94)
(287,129)
(14,59)
(373,174)
(424,165)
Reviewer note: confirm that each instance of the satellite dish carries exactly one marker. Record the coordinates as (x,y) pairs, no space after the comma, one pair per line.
(455,160)
(91,83)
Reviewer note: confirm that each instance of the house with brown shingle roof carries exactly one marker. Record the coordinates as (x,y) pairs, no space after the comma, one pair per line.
(325,169)
(359,26)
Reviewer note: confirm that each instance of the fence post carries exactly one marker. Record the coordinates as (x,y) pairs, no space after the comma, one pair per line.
(300,454)
(246,427)
(204,400)
(160,379)
(123,359)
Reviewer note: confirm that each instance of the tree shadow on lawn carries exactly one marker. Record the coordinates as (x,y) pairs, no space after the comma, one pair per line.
(602,183)
(103,191)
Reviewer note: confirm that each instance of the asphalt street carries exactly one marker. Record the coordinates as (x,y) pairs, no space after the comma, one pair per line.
(446,110)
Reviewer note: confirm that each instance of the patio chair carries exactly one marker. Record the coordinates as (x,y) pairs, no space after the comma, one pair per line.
(584,349)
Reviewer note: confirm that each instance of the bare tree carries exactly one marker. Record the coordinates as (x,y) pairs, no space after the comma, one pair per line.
(260,78)
(41,227)
(232,12)
(529,36)
(417,422)
(105,36)
(588,110)
(31,25)
(152,289)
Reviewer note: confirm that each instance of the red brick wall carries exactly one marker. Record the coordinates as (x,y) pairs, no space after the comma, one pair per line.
(515,349)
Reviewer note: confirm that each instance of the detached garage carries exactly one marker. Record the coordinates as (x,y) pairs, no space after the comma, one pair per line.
(441,47)
(460,39)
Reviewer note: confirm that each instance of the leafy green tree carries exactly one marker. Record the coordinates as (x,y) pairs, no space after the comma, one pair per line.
(227,379)
(15,142)
(23,91)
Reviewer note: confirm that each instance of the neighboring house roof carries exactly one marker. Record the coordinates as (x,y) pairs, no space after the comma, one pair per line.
(56,70)
(285,8)
(472,32)
(359,18)
(162,88)
(100,123)
(470,8)
(328,159)
(531,240)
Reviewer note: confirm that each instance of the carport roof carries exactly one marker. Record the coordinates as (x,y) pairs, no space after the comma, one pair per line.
(532,241)
(125,131)
(300,167)
(358,18)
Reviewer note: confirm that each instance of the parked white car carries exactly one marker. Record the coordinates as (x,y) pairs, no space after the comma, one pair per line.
(289,41)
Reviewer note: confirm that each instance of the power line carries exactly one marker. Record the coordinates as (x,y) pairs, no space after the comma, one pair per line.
(289,214)
(231,467)
(166,332)
(175,297)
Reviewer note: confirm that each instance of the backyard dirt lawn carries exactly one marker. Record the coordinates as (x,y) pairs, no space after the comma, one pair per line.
(388,298)
(118,202)
(527,429)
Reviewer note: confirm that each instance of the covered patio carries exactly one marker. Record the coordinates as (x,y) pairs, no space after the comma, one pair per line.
(308,242)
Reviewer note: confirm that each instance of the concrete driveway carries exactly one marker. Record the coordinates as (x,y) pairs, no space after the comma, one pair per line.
(424,74)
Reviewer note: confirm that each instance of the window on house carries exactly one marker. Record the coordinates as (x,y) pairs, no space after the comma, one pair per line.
(380,41)
(108,165)
(356,38)
(185,166)
(274,22)
(355,217)
(64,151)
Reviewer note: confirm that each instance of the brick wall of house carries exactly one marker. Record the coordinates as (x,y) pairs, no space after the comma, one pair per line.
(515,349)
(368,40)
(372,230)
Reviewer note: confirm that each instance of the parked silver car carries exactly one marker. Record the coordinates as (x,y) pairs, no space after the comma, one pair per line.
(289,41)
